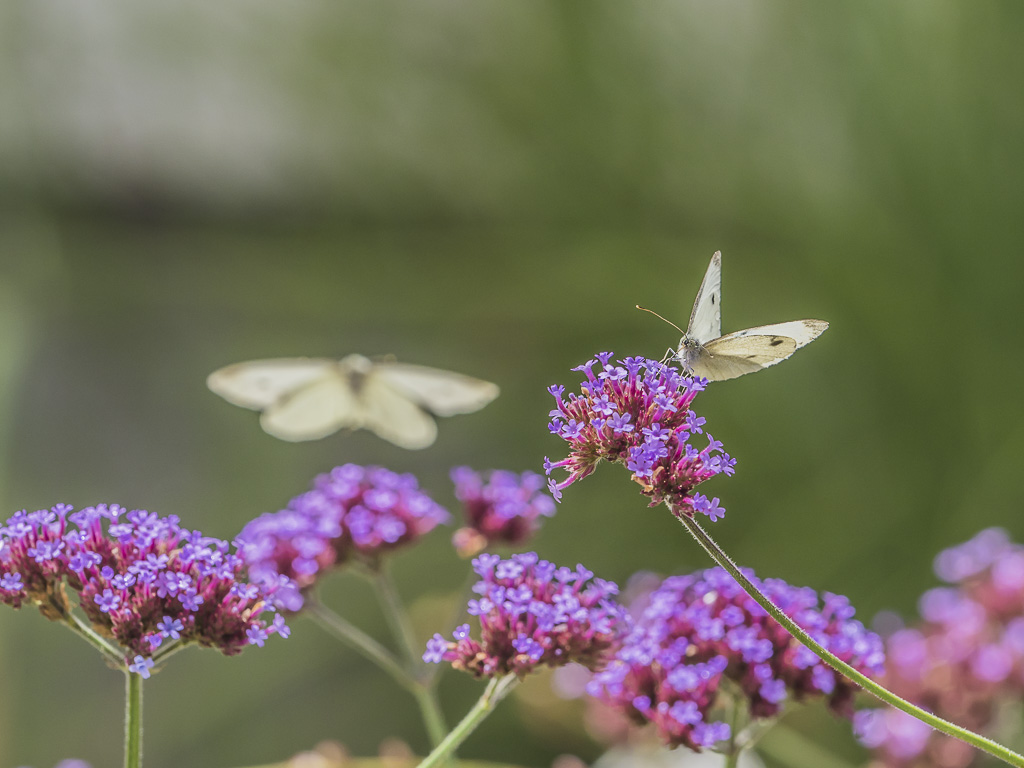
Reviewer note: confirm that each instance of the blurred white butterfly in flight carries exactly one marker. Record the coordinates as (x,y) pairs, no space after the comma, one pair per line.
(704,351)
(308,398)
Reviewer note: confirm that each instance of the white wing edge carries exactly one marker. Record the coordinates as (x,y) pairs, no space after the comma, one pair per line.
(706,316)
(444,393)
(251,384)
(803,332)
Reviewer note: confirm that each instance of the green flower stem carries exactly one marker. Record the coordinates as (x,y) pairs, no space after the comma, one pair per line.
(496,690)
(974,739)
(80,628)
(359,641)
(166,651)
(732,757)
(398,619)
(133,720)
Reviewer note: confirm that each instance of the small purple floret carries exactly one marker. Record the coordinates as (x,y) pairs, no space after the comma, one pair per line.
(637,413)
(141,666)
(139,579)
(533,614)
(697,630)
(351,512)
(964,660)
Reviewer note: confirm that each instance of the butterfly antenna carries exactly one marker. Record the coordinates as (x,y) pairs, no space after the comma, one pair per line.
(645,309)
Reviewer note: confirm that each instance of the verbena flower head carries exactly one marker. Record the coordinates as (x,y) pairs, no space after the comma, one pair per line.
(700,630)
(140,579)
(352,511)
(964,660)
(637,412)
(533,613)
(503,509)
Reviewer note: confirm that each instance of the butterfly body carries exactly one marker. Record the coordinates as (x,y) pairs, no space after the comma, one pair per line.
(704,351)
(305,398)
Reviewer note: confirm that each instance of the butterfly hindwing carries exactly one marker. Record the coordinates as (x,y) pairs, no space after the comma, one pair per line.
(392,415)
(314,410)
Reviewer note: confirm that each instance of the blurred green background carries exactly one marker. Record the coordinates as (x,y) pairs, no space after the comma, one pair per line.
(490,187)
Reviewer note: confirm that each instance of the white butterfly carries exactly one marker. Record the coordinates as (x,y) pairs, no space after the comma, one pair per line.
(308,398)
(704,351)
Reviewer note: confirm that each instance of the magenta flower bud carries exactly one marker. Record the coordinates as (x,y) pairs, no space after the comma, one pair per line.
(504,508)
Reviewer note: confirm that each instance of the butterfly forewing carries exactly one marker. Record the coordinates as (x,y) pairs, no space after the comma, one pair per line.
(803,332)
(443,392)
(706,317)
(258,384)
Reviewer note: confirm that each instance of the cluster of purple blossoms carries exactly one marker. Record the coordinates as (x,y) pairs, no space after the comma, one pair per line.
(140,579)
(533,613)
(697,631)
(504,509)
(964,661)
(637,412)
(352,511)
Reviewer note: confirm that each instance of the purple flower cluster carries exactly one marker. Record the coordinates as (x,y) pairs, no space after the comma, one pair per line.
(533,613)
(699,630)
(504,509)
(352,511)
(964,660)
(637,412)
(140,579)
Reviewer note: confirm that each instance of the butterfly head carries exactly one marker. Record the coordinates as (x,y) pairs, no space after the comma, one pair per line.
(356,369)
(688,352)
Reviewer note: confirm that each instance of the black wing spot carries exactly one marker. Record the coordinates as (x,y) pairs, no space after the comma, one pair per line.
(776,341)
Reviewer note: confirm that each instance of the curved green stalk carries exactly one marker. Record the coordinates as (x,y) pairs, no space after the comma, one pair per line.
(732,757)
(398,619)
(166,651)
(361,642)
(80,628)
(495,691)
(974,739)
(133,720)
